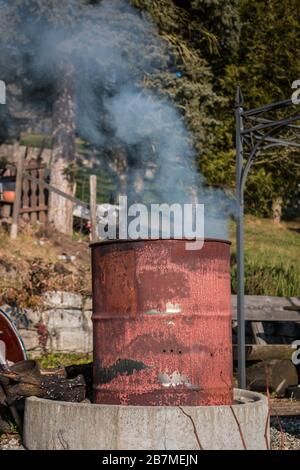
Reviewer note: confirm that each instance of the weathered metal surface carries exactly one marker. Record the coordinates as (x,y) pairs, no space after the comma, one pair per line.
(162,323)
(12,349)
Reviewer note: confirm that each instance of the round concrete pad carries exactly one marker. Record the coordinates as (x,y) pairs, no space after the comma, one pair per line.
(60,425)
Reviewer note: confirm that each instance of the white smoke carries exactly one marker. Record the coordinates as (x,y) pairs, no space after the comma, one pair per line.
(114,49)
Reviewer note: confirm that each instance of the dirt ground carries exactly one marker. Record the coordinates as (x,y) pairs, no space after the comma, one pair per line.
(40,260)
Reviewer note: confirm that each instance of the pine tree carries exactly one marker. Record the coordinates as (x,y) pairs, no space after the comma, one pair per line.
(22,26)
(266,67)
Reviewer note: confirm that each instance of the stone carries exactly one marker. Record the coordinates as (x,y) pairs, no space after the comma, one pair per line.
(88,303)
(62,318)
(87,321)
(71,340)
(61,299)
(275,374)
(30,339)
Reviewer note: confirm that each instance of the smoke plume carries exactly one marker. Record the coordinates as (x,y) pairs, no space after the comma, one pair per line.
(115,49)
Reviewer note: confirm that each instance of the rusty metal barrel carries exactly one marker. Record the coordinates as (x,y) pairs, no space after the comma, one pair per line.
(162,323)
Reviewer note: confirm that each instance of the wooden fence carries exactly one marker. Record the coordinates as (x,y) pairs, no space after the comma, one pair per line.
(34,197)
(31,194)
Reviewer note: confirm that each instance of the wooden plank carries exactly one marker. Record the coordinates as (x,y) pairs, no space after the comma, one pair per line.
(293,308)
(26,210)
(258,332)
(272,315)
(34,165)
(5,210)
(284,407)
(265,308)
(17,203)
(295,301)
(33,196)
(262,352)
(49,187)
(42,196)
(25,198)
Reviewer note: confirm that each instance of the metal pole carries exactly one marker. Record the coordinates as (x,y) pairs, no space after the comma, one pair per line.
(240,243)
(241,176)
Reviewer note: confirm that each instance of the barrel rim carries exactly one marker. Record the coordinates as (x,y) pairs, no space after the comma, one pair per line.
(110,242)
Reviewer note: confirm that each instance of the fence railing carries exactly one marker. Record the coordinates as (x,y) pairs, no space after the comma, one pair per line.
(34,197)
(32,194)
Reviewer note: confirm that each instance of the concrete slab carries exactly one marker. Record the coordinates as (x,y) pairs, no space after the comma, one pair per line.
(53,425)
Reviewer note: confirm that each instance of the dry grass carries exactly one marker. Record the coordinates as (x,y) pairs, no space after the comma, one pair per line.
(30,266)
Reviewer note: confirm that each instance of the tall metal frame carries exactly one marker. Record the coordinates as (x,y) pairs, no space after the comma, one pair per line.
(255,132)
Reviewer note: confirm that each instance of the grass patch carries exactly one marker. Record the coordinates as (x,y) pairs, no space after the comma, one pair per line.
(49,361)
(272,256)
(37,140)
(105,185)
(46,141)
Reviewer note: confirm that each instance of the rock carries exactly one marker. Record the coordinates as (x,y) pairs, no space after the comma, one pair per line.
(72,339)
(275,374)
(63,318)
(30,338)
(61,269)
(11,443)
(88,303)
(67,258)
(61,299)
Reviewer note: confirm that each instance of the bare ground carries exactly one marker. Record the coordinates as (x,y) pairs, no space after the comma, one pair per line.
(40,260)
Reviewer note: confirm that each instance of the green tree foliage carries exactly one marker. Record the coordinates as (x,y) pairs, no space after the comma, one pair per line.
(269,64)
(265,67)
(250,43)
(188,81)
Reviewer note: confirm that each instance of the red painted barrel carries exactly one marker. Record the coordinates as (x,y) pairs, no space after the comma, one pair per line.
(162,323)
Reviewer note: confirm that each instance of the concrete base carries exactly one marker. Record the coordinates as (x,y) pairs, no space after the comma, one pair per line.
(53,425)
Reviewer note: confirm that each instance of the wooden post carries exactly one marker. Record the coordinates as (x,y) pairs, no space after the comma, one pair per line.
(93,206)
(258,332)
(17,203)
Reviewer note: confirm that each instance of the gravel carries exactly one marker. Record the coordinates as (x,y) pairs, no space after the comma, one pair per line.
(11,442)
(285,433)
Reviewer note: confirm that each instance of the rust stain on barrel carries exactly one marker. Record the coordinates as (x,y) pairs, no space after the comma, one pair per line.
(162,323)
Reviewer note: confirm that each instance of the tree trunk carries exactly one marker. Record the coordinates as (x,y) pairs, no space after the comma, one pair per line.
(63,152)
(277,210)
(119,165)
